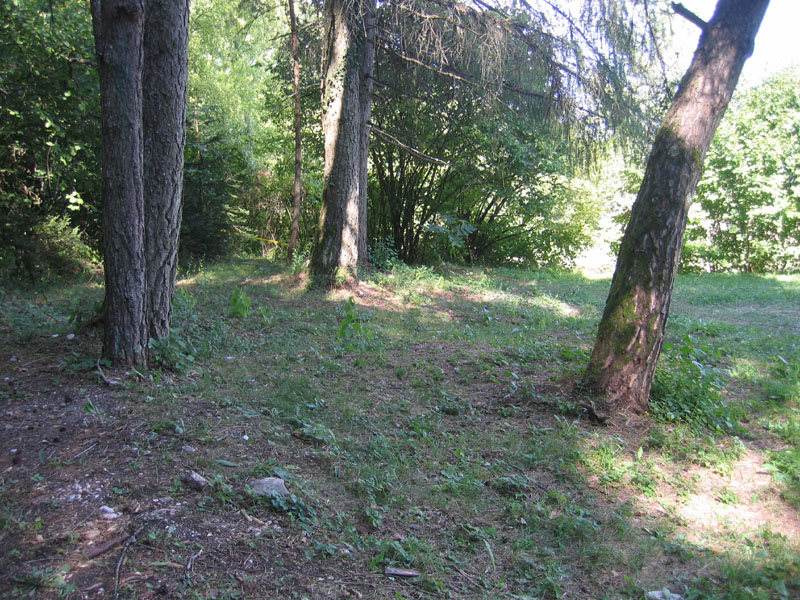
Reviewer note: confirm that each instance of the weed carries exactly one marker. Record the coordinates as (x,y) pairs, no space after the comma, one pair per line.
(43,579)
(300,259)
(782,385)
(687,388)
(239,303)
(352,331)
(728,496)
(90,408)
(174,352)
(295,507)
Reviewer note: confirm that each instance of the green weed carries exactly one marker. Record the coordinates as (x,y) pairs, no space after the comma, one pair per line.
(687,388)
(239,303)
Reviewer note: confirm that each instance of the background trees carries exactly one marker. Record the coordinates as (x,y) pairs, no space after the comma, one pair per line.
(49,133)
(485,127)
(748,201)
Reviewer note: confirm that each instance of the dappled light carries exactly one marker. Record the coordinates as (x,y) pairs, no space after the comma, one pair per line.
(423,421)
(421,299)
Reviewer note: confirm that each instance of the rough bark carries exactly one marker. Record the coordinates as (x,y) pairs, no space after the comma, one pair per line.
(336,251)
(164,80)
(298,136)
(365,109)
(118,29)
(631,331)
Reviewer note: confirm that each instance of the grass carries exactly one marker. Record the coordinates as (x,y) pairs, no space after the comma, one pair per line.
(424,421)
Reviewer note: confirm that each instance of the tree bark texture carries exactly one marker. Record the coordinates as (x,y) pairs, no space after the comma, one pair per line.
(631,331)
(164,81)
(344,106)
(118,27)
(365,101)
(298,136)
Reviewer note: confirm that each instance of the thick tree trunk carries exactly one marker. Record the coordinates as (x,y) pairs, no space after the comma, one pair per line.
(298,136)
(164,79)
(118,28)
(631,331)
(336,251)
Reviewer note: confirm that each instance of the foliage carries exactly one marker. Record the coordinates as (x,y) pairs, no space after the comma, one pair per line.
(50,135)
(466,176)
(748,210)
(239,303)
(239,158)
(687,387)
(175,352)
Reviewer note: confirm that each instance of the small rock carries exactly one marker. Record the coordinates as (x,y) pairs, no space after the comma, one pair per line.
(189,449)
(70,336)
(109,514)
(269,486)
(195,481)
(395,572)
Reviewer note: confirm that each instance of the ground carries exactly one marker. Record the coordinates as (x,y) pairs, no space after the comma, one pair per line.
(426,425)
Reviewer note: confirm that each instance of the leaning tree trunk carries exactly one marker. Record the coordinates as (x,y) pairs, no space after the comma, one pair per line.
(118,27)
(336,250)
(164,77)
(631,331)
(298,136)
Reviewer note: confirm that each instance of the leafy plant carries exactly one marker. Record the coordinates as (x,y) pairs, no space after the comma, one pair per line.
(687,388)
(351,330)
(294,506)
(173,352)
(239,303)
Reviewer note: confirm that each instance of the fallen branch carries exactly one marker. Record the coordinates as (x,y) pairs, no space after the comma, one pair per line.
(102,548)
(190,564)
(122,554)
(105,379)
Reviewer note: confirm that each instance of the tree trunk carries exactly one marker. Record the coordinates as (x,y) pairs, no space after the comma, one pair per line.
(365,101)
(298,136)
(118,29)
(336,251)
(164,80)
(631,331)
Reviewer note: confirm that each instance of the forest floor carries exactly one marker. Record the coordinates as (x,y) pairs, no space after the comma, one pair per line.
(424,426)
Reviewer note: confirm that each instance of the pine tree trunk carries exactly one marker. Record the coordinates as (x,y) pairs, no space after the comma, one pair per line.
(118,29)
(365,100)
(298,136)
(164,81)
(631,331)
(336,250)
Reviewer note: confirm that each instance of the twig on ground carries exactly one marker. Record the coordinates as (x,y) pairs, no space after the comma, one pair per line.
(105,379)
(98,550)
(81,453)
(190,565)
(122,559)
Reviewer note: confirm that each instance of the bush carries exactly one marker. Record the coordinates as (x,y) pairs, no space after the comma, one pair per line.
(51,248)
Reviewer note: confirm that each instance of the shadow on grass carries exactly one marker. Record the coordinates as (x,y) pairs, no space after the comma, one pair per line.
(429,424)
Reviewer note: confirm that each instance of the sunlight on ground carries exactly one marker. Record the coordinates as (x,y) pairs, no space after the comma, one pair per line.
(741,505)
(561,309)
